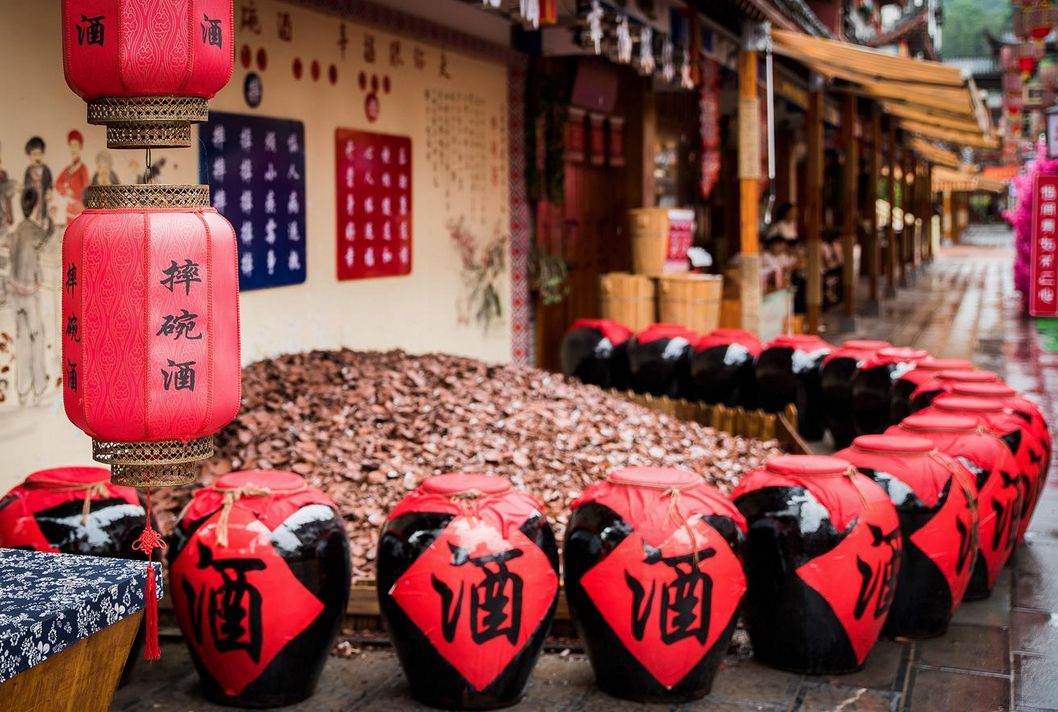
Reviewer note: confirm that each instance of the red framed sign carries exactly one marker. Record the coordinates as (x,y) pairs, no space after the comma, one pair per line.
(1043,299)
(373,204)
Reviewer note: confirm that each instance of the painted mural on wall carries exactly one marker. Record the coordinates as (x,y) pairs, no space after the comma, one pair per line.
(255,168)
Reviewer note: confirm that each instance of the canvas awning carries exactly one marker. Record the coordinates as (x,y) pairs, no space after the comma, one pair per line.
(962,181)
(928,99)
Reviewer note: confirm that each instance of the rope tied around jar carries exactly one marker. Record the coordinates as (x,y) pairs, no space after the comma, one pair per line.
(850,472)
(231,495)
(91,491)
(674,512)
(957,475)
(470,501)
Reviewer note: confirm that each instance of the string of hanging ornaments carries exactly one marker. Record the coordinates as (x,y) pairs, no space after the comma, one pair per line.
(610,33)
(150,301)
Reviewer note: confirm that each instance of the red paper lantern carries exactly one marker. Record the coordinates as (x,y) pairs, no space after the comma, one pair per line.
(150,329)
(147,67)
(1026,65)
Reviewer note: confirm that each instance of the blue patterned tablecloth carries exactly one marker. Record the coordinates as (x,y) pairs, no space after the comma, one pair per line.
(48,602)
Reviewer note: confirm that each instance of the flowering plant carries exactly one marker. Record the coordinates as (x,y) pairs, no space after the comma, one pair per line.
(482,271)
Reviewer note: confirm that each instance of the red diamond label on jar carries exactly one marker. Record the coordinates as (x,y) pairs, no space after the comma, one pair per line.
(668,605)
(239,604)
(949,540)
(478,596)
(858,579)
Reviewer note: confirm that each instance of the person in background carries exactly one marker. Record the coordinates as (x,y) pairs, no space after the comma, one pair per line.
(74,178)
(105,174)
(37,177)
(784,224)
(775,263)
(25,281)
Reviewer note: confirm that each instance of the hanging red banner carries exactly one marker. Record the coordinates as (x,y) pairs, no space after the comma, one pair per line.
(1043,300)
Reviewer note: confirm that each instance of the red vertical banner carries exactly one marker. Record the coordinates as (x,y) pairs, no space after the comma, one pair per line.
(373,204)
(1043,300)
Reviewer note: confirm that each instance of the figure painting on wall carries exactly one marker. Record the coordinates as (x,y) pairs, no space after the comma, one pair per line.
(73,179)
(38,177)
(7,191)
(105,174)
(25,281)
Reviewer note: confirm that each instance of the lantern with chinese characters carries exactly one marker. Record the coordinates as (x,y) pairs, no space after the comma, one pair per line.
(467,585)
(936,500)
(147,67)
(150,329)
(906,383)
(788,371)
(260,571)
(654,581)
(822,559)
(595,352)
(943,381)
(73,510)
(659,360)
(996,478)
(873,384)
(839,368)
(722,368)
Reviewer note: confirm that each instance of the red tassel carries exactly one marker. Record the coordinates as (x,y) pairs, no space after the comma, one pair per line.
(151,649)
(147,542)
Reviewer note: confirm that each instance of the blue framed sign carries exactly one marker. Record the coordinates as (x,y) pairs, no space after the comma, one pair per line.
(255,169)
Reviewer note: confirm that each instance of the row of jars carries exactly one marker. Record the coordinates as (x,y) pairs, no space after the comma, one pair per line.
(820,555)
(859,388)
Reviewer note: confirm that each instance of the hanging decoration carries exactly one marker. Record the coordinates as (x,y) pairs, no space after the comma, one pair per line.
(150,299)
(530,12)
(624,41)
(668,66)
(709,125)
(647,63)
(595,32)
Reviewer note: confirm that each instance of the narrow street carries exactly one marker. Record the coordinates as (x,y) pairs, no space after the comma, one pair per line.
(999,654)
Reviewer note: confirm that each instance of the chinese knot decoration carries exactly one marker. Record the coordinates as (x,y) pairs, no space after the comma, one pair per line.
(150,329)
(147,67)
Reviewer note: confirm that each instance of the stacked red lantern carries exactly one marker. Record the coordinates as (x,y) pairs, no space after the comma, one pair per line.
(147,67)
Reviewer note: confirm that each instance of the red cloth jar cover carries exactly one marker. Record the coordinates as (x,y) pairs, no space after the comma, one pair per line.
(900,396)
(147,67)
(73,510)
(1027,409)
(788,371)
(943,381)
(822,559)
(259,574)
(722,368)
(151,327)
(839,369)
(873,384)
(654,581)
(999,489)
(595,352)
(936,500)
(467,585)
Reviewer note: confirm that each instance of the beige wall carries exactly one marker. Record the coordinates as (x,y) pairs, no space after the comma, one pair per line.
(417,312)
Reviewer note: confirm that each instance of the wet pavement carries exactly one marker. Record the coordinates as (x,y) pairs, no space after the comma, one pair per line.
(999,654)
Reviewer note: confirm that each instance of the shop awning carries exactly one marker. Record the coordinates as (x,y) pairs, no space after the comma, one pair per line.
(927,98)
(935,154)
(962,181)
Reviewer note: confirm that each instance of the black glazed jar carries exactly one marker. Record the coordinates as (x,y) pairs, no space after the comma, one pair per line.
(595,351)
(72,510)
(659,360)
(822,558)
(839,368)
(873,384)
(259,574)
(654,582)
(936,500)
(722,368)
(467,586)
(788,371)
(909,381)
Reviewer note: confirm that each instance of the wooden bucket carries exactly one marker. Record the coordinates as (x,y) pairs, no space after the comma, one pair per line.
(692,300)
(627,299)
(650,240)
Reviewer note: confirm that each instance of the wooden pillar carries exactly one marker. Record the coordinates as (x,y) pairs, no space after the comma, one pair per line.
(947,218)
(749,178)
(814,205)
(850,278)
(874,245)
(891,252)
(930,195)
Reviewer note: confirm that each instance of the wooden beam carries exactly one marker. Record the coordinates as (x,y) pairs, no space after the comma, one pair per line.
(890,229)
(749,180)
(874,245)
(852,182)
(960,138)
(907,235)
(814,206)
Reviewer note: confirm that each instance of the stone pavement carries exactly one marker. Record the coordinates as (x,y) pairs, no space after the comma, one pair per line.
(1000,654)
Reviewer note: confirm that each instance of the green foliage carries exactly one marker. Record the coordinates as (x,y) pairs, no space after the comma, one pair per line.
(965,22)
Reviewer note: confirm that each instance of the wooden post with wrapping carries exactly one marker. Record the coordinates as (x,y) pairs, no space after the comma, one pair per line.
(874,245)
(749,177)
(814,205)
(890,228)
(851,196)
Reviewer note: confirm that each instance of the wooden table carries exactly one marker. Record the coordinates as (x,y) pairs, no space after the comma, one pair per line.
(67,624)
